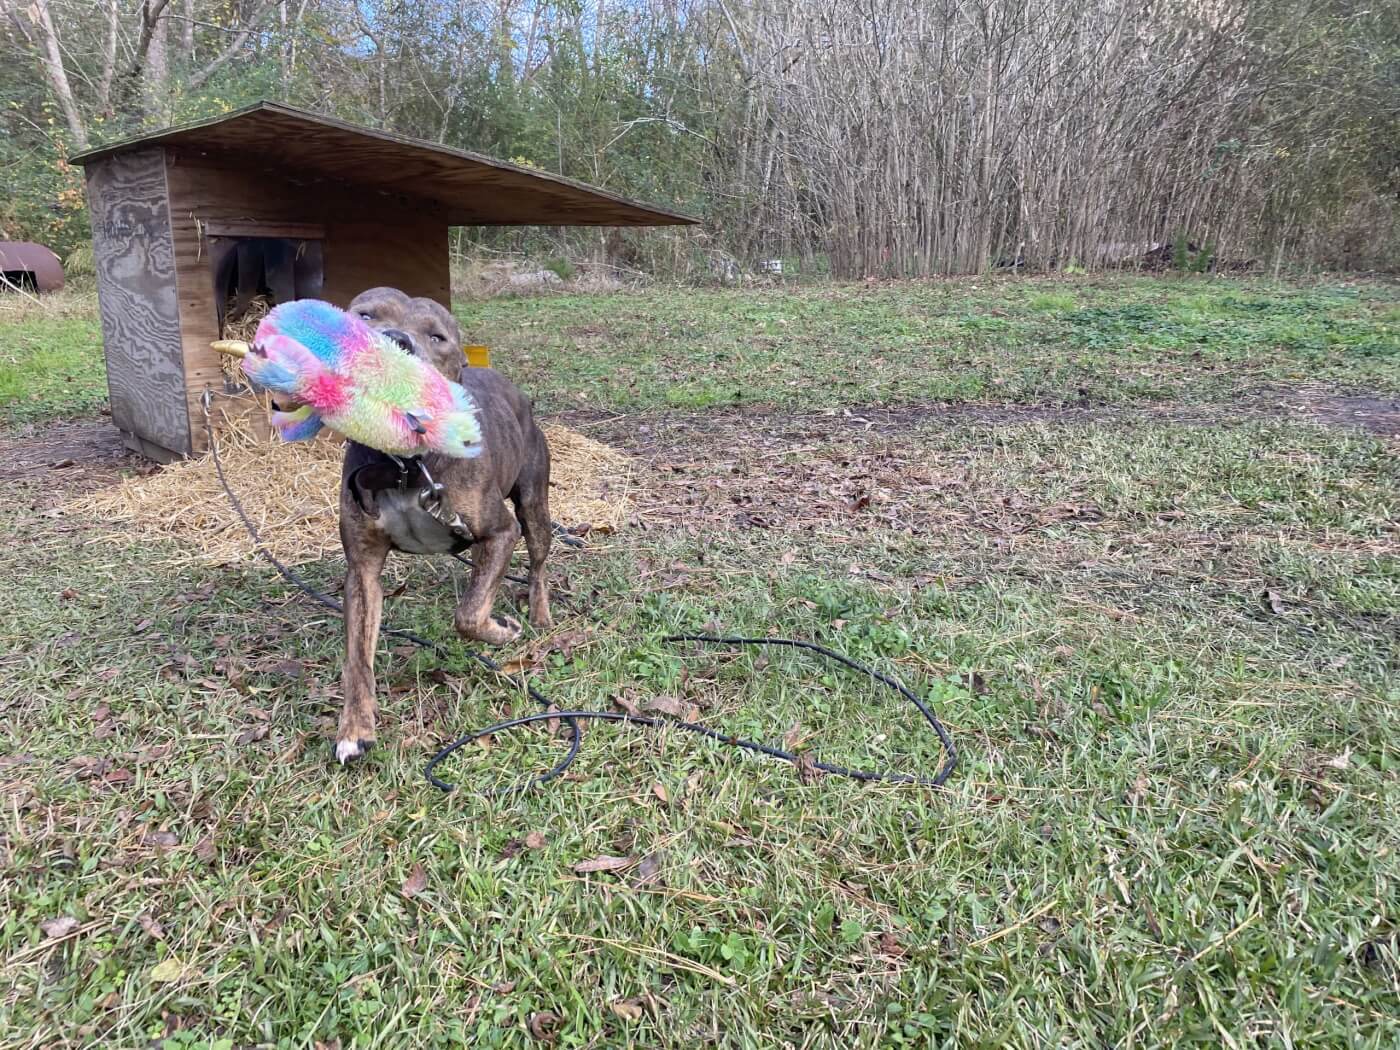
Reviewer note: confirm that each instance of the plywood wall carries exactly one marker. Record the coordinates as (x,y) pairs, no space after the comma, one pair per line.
(134,255)
(367,239)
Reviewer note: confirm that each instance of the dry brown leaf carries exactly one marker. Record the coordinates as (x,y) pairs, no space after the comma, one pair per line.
(416,882)
(205,850)
(603,863)
(659,790)
(807,770)
(252,734)
(503,987)
(535,840)
(60,927)
(890,946)
(163,839)
(544,1025)
(152,926)
(649,870)
(627,1009)
(519,664)
(627,705)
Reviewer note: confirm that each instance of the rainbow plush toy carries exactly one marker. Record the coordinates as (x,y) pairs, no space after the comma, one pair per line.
(336,371)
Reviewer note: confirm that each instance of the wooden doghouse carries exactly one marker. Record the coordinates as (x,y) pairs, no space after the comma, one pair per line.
(285,204)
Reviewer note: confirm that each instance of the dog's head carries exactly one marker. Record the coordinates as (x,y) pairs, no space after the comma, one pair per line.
(420,326)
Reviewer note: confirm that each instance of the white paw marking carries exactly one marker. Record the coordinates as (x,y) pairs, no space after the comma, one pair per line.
(346,750)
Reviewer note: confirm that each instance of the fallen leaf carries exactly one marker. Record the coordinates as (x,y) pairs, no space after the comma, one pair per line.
(890,946)
(416,882)
(603,863)
(544,1025)
(518,665)
(793,738)
(67,594)
(101,713)
(659,790)
(627,705)
(535,840)
(152,926)
(503,987)
(1341,761)
(807,770)
(168,971)
(154,754)
(163,839)
(649,870)
(252,734)
(60,927)
(205,851)
(627,1009)
(670,705)
(1274,600)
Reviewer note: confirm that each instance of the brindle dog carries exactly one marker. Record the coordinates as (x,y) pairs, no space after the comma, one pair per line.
(375,518)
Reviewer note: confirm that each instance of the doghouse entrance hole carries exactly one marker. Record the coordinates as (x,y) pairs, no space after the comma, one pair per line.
(19,280)
(253,274)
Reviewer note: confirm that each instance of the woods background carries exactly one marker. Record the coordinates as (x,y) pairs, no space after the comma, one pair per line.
(851,137)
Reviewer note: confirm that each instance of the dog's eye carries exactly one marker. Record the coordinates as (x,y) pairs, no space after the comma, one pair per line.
(366,317)
(433,337)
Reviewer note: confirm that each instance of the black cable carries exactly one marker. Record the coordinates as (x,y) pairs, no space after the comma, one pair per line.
(694,727)
(572,718)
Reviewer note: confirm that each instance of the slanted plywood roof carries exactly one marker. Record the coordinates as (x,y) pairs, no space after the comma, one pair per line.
(469,189)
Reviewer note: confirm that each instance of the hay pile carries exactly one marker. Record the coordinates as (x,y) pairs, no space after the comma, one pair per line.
(244,326)
(291,491)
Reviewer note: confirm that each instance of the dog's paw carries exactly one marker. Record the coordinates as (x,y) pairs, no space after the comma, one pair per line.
(497,630)
(349,750)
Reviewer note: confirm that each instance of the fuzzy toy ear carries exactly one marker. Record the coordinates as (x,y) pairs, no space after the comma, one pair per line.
(280,363)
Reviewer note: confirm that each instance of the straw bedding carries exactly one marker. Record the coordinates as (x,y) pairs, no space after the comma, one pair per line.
(291,491)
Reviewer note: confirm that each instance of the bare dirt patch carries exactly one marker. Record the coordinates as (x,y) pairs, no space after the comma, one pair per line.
(49,462)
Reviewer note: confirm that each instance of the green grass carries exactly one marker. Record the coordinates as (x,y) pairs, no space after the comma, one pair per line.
(1001,340)
(50,368)
(1089,341)
(1169,653)
(1174,823)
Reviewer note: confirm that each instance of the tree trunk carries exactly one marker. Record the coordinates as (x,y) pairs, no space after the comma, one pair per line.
(52,59)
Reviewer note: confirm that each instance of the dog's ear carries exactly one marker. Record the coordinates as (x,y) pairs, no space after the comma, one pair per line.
(381,294)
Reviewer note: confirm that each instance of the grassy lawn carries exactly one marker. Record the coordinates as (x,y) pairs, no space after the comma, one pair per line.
(1169,653)
(1026,340)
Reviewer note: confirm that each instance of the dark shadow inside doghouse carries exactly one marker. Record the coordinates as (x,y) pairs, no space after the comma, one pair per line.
(254,274)
(19,281)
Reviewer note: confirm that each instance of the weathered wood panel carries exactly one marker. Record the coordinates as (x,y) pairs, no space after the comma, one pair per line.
(368,240)
(135,260)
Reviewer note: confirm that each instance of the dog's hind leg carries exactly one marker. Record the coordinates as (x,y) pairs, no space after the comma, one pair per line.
(365,554)
(531,499)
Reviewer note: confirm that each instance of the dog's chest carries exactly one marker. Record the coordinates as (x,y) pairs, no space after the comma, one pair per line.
(412,529)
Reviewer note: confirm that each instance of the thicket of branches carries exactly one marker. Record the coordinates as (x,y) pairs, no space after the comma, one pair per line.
(860,136)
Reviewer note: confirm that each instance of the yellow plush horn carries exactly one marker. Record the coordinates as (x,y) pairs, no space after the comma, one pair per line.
(231,347)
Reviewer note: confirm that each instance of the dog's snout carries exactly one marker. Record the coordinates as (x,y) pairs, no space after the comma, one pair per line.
(402,340)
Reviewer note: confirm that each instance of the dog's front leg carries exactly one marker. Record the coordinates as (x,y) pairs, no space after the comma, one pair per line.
(364,603)
(490,559)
